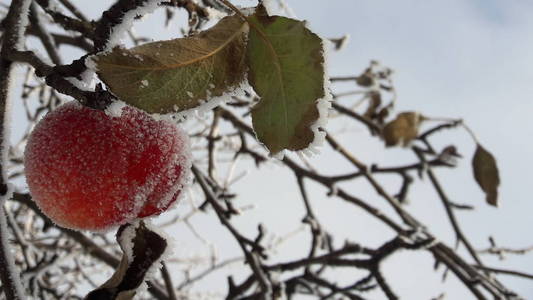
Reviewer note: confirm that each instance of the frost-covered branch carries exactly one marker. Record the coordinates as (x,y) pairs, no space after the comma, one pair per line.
(12,40)
(89,246)
(441,252)
(68,23)
(118,19)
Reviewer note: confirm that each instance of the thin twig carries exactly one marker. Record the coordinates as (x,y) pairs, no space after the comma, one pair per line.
(504,271)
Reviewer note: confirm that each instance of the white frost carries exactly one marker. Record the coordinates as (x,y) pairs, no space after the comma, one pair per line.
(22,24)
(90,63)
(271,7)
(126,240)
(118,31)
(115,109)
(214,13)
(19,289)
(206,105)
(6,126)
(87,81)
(323,105)
(279,156)
(279,8)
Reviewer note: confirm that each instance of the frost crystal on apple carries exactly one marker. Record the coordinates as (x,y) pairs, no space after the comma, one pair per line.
(87,170)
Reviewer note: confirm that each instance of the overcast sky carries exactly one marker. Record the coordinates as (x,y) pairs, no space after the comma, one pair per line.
(466,59)
(460,59)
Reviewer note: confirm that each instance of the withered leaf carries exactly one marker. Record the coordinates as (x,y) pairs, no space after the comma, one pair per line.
(366,79)
(148,247)
(179,74)
(373,105)
(402,130)
(486,174)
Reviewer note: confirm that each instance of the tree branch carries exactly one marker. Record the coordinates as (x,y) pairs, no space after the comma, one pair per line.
(15,23)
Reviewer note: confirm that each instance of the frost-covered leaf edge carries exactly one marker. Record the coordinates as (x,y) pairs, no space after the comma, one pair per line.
(314,114)
(143,249)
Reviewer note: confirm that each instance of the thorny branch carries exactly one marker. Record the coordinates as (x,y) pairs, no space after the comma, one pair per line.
(223,142)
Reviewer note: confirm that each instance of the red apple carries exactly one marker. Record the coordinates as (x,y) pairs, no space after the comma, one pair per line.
(88,170)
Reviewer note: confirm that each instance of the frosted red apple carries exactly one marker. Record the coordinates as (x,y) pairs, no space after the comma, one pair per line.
(87,170)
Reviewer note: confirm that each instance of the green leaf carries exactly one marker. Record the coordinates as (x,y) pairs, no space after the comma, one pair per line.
(402,130)
(286,70)
(179,74)
(486,174)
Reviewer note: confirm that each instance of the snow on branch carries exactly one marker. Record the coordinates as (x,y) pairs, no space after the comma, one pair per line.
(13,40)
(118,19)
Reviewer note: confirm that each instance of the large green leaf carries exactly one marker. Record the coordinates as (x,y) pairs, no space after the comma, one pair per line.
(179,74)
(286,70)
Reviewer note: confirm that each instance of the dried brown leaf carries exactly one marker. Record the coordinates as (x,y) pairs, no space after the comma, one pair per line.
(486,174)
(147,249)
(402,130)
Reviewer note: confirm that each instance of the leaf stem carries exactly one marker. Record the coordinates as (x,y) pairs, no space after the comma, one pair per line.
(470,132)
(252,25)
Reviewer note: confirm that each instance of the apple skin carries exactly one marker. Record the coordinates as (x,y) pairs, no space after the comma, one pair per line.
(91,171)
